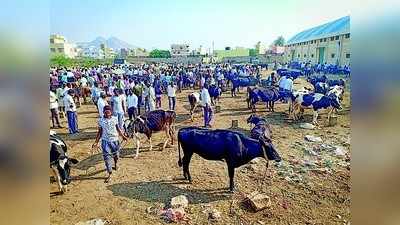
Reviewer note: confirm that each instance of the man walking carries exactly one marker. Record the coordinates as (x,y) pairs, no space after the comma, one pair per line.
(70,108)
(54,110)
(206,103)
(171,95)
(118,107)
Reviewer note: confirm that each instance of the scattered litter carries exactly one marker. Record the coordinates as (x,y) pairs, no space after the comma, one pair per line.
(92,222)
(179,201)
(308,126)
(258,201)
(174,215)
(313,138)
(214,215)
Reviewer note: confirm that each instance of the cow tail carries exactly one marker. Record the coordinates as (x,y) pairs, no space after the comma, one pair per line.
(179,152)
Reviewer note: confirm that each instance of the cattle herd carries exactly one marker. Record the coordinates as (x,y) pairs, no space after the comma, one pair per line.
(233,147)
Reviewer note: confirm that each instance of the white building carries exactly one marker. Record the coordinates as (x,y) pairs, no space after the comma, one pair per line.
(60,46)
(93,52)
(178,50)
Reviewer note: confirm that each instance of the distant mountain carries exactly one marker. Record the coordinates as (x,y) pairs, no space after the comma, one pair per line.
(111,42)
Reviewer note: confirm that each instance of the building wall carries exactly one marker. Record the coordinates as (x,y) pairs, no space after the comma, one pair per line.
(237,52)
(60,46)
(333,53)
(180,50)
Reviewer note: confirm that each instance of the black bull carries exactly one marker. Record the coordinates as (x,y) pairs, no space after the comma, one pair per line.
(232,146)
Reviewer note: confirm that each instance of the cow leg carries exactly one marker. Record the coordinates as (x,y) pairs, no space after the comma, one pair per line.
(186,161)
(315,118)
(168,136)
(151,145)
(231,171)
(56,175)
(137,146)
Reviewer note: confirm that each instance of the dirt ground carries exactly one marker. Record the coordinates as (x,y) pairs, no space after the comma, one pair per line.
(310,186)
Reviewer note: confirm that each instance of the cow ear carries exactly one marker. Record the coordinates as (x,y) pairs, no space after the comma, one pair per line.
(72,161)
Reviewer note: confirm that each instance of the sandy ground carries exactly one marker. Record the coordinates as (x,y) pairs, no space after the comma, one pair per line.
(300,193)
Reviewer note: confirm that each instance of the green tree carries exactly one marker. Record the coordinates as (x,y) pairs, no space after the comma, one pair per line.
(60,60)
(280,41)
(252,52)
(156,53)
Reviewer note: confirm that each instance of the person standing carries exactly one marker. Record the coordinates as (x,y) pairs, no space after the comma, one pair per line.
(158,91)
(118,108)
(70,108)
(95,93)
(108,132)
(138,91)
(60,100)
(101,103)
(132,102)
(152,98)
(145,97)
(54,110)
(171,96)
(206,103)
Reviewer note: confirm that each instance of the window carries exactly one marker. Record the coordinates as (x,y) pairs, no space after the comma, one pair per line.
(60,50)
(52,49)
(337,37)
(324,39)
(333,55)
(52,41)
(332,38)
(347,55)
(298,56)
(305,55)
(347,36)
(312,55)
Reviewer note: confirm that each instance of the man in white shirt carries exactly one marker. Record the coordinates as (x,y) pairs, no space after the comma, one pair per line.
(54,110)
(83,81)
(206,103)
(70,108)
(101,103)
(285,88)
(132,102)
(171,95)
(118,107)
(202,81)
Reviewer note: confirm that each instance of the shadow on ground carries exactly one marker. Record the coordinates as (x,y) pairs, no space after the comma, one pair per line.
(163,191)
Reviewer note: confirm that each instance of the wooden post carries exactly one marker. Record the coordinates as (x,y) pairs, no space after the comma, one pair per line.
(217,109)
(332,120)
(235,123)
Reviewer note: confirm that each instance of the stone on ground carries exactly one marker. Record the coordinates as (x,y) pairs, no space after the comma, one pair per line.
(92,222)
(308,126)
(312,138)
(179,201)
(258,201)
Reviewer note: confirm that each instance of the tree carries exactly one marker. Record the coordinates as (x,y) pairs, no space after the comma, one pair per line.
(156,53)
(61,60)
(252,52)
(280,41)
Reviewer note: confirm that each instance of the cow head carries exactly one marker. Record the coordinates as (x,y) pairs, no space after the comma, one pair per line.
(64,167)
(139,125)
(270,150)
(254,119)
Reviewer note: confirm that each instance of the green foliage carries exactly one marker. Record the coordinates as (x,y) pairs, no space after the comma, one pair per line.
(252,52)
(62,61)
(157,53)
(280,41)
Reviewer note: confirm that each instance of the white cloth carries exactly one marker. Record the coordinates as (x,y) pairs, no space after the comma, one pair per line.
(70,74)
(83,82)
(171,91)
(100,105)
(132,101)
(196,95)
(152,98)
(205,97)
(117,104)
(287,84)
(69,103)
(281,81)
(53,100)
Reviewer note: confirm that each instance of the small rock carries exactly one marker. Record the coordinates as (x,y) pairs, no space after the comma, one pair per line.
(339,151)
(313,138)
(258,201)
(214,214)
(261,222)
(339,217)
(179,201)
(308,126)
(92,222)
(256,161)
(327,147)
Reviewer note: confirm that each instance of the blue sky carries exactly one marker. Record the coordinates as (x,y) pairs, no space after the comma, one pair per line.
(159,23)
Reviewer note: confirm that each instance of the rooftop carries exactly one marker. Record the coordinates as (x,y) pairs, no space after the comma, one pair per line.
(333,28)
